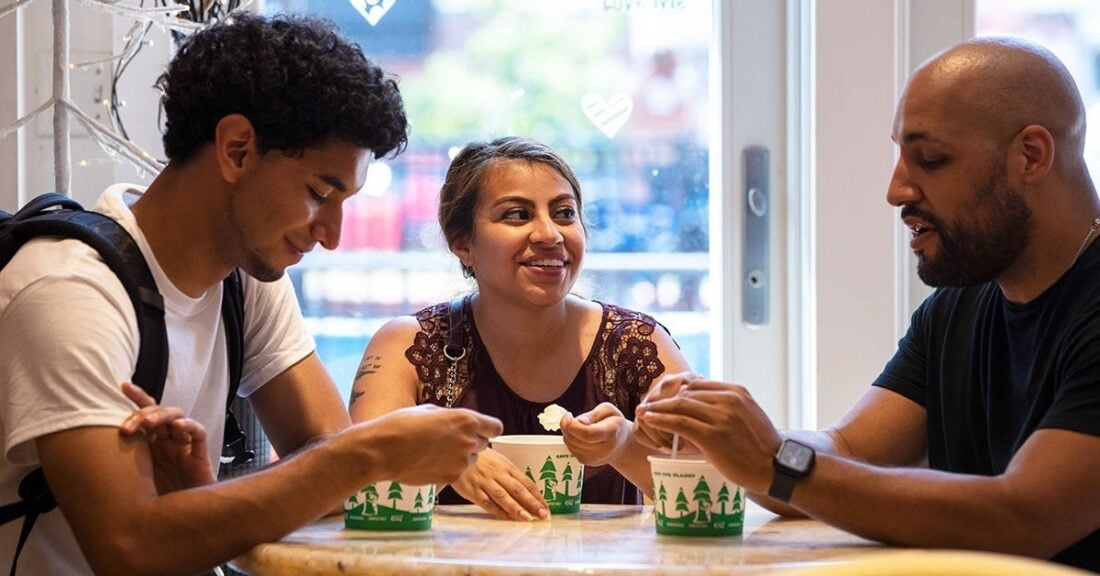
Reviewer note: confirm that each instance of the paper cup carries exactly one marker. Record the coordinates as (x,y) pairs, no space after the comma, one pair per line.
(546,461)
(691,498)
(390,506)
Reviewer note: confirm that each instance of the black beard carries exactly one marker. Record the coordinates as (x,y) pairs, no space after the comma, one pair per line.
(253,264)
(980,248)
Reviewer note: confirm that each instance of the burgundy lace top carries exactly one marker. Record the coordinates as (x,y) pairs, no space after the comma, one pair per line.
(619,369)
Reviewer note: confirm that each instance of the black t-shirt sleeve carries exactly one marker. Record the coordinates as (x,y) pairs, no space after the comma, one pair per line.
(1076,404)
(907,372)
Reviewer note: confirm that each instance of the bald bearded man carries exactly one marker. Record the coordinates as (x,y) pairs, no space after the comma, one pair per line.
(983,430)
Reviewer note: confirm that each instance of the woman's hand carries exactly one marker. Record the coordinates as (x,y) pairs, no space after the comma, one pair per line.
(495,484)
(177,444)
(598,436)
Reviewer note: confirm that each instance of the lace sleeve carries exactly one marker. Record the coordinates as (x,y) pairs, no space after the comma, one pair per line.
(426,352)
(628,356)
(426,356)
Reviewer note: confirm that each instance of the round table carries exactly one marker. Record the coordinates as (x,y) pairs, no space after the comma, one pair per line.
(600,539)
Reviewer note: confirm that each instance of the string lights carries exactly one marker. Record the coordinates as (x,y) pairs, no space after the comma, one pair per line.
(180,18)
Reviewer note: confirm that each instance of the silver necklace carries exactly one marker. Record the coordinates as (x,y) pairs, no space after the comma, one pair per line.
(1092,230)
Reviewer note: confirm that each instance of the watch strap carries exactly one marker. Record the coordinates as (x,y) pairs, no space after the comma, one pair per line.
(782,486)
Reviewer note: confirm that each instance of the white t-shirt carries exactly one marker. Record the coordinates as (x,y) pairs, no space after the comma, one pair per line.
(69,337)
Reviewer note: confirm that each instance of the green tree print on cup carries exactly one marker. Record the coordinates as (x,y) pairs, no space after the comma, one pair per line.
(395,494)
(408,508)
(724,497)
(706,512)
(549,477)
(702,500)
(682,503)
(546,461)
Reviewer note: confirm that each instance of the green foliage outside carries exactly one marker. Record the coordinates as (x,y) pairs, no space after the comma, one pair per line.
(475,88)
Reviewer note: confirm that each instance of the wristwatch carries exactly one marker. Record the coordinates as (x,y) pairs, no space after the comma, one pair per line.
(792,462)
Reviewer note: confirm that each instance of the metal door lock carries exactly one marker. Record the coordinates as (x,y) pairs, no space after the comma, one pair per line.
(755,247)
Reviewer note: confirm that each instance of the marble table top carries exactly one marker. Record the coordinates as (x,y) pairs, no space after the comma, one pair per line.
(600,539)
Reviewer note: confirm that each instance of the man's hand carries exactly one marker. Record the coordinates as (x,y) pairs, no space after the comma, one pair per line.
(667,386)
(598,436)
(176,443)
(424,444)
(724,422)
(495,484)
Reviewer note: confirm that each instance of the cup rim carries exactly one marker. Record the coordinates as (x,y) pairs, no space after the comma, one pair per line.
(528,440)
(403,485)
(678,461)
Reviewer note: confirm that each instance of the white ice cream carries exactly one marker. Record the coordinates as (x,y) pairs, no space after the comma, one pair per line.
(551,416)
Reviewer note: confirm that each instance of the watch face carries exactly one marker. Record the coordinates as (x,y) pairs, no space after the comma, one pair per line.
(795,456)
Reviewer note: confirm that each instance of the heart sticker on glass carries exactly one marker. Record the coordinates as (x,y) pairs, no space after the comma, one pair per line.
(373,10)
(608,115)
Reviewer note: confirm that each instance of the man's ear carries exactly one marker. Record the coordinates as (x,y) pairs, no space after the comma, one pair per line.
(1033,151)
(234,145)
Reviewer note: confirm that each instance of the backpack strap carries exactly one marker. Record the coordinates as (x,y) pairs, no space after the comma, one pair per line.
(34,498)
(233,316)
(121,254)
(234,441)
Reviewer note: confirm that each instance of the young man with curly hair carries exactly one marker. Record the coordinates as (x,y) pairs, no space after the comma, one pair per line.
(271,127)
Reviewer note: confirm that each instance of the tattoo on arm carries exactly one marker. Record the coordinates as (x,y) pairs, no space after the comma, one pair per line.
(369,365)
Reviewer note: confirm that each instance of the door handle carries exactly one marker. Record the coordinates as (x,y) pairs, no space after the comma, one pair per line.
(755,246)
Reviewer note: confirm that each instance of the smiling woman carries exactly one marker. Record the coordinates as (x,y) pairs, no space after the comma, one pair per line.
(512,213)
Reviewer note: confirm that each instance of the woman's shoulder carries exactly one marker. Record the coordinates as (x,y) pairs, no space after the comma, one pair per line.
(437,310)
(616,323)
(400,325)
(431,319)
(618,315)
(406,328)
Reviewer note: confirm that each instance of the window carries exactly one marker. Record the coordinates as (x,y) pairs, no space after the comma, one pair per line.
(619,87)
(1071,30)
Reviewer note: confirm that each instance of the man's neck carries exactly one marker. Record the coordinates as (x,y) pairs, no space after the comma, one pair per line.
(177,215)
(1056,246)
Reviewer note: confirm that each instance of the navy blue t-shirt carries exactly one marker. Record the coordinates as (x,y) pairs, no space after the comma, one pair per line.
(990,372)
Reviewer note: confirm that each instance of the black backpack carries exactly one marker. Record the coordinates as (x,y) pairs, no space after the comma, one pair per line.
(56,215)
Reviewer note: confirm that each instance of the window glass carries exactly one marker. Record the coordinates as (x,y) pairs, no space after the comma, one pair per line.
(619,87)
(1071,30)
